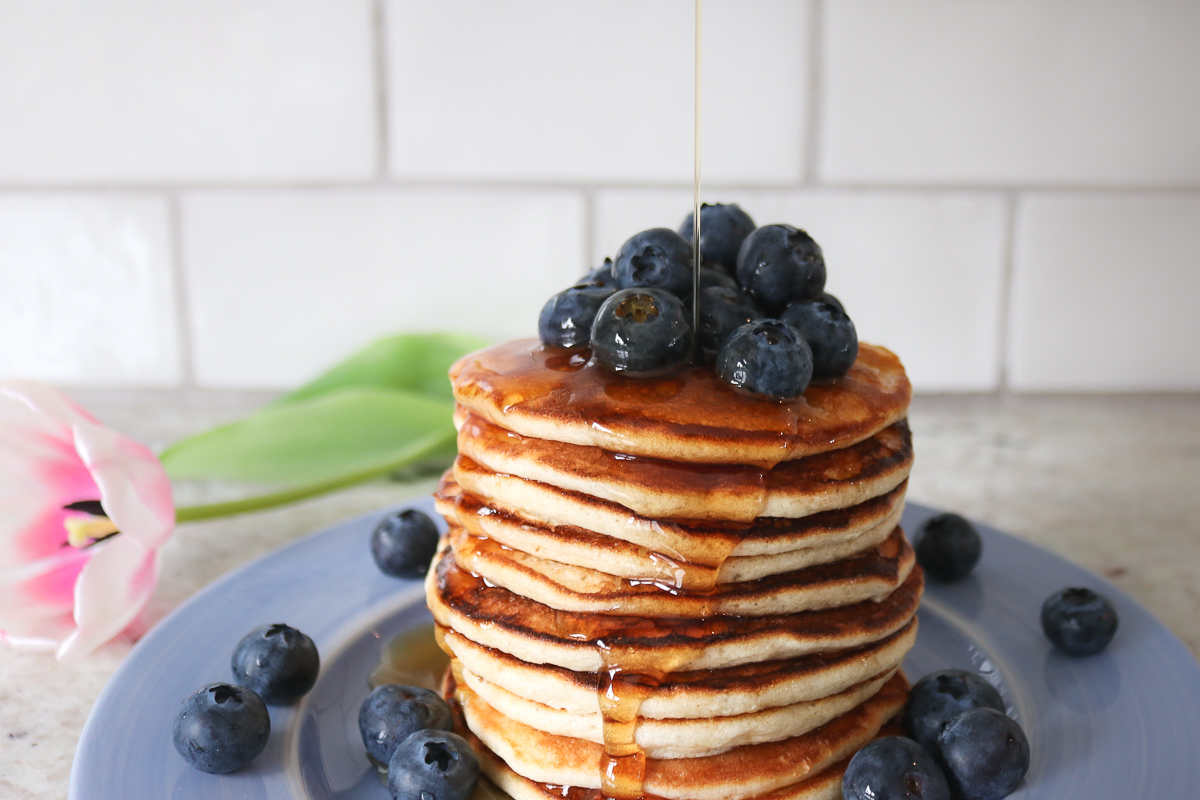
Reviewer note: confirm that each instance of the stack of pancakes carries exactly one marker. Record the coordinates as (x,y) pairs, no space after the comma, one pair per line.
(658,587)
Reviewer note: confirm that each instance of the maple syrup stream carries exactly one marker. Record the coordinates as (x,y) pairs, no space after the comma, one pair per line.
(627,679)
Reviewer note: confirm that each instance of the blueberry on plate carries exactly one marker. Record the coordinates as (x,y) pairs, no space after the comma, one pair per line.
(641,331)
(830,334)
(1079,622)
(390,714)
(433,765)
(779,264)
(601,275)
(277,662)
(404,542)
(566,319)
(221,728)
(659,259)
(723,228)
(984,753)
(892,768)
(765,357)
(947,547)
(722,311)
(939,697)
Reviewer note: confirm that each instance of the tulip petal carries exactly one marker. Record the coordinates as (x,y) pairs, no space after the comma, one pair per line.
(40,472)
(134,488)
(35,644)
(111,591)
(40,589)
(48,403)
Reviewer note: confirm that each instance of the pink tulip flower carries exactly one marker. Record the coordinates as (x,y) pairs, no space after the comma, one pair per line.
(83,514)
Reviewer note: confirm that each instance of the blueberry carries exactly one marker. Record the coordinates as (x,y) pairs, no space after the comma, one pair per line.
(985,754)
(716,277)
(641,331)
(601,275)
(948,547)
(892,768)
(722,311)
(939,697)
(830,334)
(826,297)
(1079,622)
(404,542)
(658,258)
(277,662)
(779,264)
(392,713)
(433,765)
(221,728)
(766,357)
(723,228)
(566,319)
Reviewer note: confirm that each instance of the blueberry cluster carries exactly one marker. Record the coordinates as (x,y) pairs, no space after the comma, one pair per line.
(766,323)
(408,730)
(222,727)
(962,745)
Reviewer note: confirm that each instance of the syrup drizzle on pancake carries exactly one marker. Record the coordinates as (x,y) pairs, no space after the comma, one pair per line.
(689,415)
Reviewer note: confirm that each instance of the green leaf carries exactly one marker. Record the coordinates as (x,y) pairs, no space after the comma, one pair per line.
(417,362)
(356,431)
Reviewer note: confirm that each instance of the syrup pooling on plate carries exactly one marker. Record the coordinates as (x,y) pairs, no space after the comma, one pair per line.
(414,658)
(689,415)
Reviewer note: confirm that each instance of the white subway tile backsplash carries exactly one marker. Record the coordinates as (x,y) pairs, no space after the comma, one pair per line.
(88,295)
(124,91)
(541,90)
(1105,293)
(283,284)
(920,273)
(1031,92)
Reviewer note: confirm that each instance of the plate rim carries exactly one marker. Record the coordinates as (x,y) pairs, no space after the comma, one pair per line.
(88,746)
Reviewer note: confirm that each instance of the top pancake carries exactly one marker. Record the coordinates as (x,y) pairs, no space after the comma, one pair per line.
(687,416)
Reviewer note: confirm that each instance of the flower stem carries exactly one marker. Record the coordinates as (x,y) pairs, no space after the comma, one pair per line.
(420,449)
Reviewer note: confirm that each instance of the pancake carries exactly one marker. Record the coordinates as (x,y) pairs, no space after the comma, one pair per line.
(743,772)
(825,786)
(497,618)
(674,490)
(687,416)
(692,694)
(702,542)
(569,544)
(871,575)
(680,738)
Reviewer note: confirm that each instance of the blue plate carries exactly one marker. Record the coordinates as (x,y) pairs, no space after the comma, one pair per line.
(1122,724)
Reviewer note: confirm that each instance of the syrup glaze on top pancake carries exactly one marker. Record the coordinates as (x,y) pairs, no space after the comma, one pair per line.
(687,416)
(676,490)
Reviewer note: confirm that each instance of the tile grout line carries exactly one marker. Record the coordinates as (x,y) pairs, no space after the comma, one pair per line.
(816,76)
(583,185)
(183,322)
(1011,199)
(380,70)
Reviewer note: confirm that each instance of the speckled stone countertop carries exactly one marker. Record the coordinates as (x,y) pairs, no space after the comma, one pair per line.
(1112,483)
